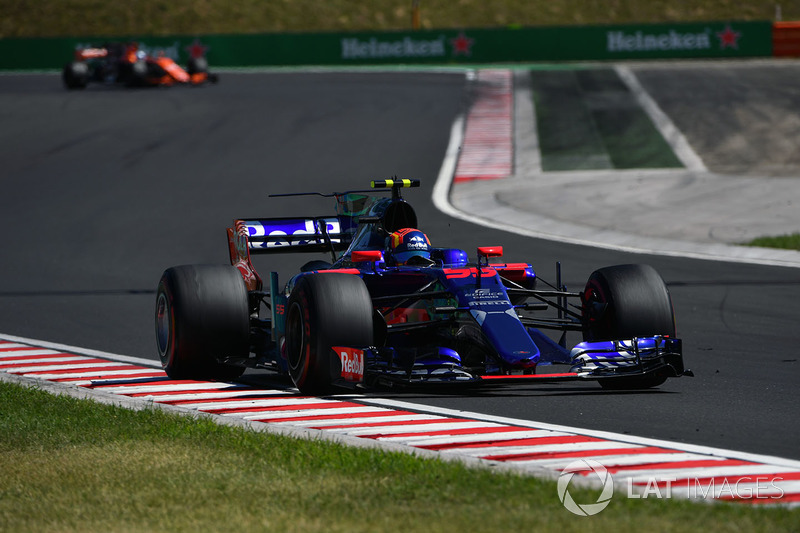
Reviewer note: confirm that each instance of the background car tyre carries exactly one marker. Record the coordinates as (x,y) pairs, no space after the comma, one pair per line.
(325,310)
(75,75)
(626,301)
(202,316)
(196,65)
(137,73)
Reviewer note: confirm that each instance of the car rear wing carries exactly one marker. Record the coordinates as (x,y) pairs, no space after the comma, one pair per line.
(310,234)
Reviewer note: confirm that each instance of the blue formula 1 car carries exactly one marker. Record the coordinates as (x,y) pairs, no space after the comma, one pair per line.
(391,310)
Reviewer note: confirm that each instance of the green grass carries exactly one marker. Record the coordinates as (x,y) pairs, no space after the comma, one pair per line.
(75,465)
(42,18)
(785,242)
(587,119)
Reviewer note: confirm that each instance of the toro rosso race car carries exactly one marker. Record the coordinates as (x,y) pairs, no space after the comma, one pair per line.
(389,309)
(127,64)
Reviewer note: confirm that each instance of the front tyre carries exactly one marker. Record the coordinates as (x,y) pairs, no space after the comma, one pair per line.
(325,310)
(202,317)
(626,301)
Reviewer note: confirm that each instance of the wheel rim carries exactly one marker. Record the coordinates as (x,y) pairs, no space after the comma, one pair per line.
(295,339)
(595,319)
(163,325)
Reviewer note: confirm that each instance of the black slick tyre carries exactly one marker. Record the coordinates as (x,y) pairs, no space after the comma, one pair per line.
(202,317)
(325,310)
(136,74)
(626,301)
(197,65)
(75,75)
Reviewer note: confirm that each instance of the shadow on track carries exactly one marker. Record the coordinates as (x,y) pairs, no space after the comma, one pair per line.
(101,292)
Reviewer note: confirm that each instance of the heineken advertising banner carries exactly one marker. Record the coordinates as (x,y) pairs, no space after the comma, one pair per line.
(568,43)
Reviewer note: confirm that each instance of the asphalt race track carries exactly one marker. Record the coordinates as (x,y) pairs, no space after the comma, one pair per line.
(103,189)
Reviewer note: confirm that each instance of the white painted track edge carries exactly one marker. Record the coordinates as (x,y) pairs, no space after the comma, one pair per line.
(83,351)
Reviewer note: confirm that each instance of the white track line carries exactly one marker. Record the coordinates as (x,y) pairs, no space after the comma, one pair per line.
(10,354)
(243,404)
(606,435)
(83,351)
(49,368)
(663,123)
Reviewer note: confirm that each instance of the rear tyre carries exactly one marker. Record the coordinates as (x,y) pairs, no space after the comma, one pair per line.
(197,65)
(626,301)
(136,74)
(75,75)
(202,317)
(325,310)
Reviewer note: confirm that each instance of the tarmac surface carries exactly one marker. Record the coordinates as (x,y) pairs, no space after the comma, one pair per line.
(104,189)
(735,127)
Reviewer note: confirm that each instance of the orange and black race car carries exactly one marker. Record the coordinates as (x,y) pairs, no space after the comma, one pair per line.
(127,64)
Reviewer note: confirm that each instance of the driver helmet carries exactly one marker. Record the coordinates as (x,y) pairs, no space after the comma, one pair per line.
(409,243)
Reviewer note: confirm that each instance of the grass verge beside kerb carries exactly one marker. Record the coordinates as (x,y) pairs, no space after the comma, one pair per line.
(76,465)
(53,18)
(784,242)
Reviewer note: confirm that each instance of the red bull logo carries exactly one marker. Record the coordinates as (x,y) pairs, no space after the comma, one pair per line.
(352,363)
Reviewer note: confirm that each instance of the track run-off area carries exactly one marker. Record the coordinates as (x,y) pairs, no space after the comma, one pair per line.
(107,188)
